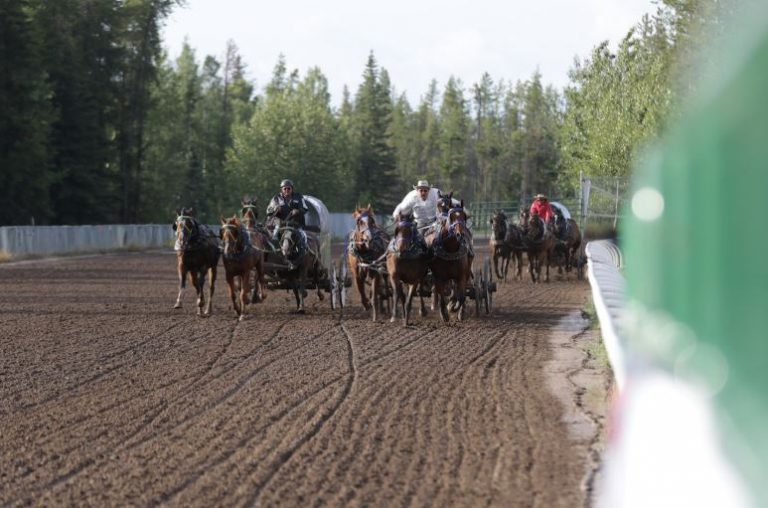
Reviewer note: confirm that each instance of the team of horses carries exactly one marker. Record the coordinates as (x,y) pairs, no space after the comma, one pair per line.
(386,268)
(247,249)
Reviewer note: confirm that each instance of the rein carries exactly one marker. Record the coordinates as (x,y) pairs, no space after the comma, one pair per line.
(450,227)
(193,241)
(415,246)
(241,247)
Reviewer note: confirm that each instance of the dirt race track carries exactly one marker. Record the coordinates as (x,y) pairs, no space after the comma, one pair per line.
(110,397)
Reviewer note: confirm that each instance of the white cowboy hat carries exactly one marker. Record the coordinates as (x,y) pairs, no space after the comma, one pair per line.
(540,196)
(422,184)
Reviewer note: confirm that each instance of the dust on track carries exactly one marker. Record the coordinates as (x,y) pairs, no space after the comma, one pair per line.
(110,396)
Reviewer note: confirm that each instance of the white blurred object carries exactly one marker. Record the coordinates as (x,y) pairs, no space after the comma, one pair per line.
(666,451)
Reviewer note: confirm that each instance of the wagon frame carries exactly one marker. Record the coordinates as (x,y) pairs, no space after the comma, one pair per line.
(331,279)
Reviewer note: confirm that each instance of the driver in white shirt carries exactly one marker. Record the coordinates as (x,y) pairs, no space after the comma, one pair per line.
(421,202)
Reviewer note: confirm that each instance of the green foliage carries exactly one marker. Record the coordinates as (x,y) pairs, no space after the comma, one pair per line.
(619,101)
(25,117)
(98,125)
(373,152)
(292,134)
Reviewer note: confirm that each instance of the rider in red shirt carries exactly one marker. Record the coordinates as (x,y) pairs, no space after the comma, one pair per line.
(542,208)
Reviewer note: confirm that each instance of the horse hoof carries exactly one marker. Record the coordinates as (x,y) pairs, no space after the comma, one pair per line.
(321,296)
(301,311)
(367,305)
(241,318)
(177,306)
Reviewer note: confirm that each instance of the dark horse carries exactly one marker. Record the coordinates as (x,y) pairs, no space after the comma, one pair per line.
(238,257)
(451,265)
(301,259)
(197,253)
(407,263)
(365,257)
(506,242)
(260,244)
(539,243)
(567,238)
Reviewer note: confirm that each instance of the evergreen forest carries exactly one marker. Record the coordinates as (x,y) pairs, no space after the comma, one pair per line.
(99,125)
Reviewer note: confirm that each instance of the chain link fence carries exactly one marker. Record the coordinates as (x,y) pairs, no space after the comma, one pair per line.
(602,200)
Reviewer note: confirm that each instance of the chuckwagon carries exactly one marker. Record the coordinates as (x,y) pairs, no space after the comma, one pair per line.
(300,258)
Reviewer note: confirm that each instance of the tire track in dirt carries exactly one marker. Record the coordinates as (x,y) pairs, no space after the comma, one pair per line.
(128,445)
(286,455)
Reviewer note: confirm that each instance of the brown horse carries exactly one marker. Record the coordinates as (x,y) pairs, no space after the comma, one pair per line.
(197,254)
(539,242)
(451,263)
(366,254)
(567,238)
(506,243)
(238,257)
(407,264)
(260,244)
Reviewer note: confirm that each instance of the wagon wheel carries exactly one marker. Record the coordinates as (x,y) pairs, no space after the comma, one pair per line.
(343,283)
(334,287)
(489,286)
(478,290)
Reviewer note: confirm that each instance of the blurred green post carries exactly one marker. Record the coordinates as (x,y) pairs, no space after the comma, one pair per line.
(696,244)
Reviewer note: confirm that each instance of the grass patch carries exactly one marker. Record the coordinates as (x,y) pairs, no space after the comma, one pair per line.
(5,256)
(597,352)
(589,312)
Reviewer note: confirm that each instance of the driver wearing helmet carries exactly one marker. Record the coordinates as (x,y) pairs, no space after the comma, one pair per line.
(286,207)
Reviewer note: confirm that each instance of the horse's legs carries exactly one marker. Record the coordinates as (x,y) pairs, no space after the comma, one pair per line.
(396,290)
(532,266)
(376,296)
(409,303)
(361,289)
(211,288)
(504,267)
(316,279)
(547,260)
(439,287)
(198,281)
(233,293)
(461,290)
(182,283)
(245,291)
(496,256)
(302,288)
(422,306)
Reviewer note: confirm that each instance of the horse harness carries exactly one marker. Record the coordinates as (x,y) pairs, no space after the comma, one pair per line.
(199,234)
(417,247)
(464,246)
(243,241)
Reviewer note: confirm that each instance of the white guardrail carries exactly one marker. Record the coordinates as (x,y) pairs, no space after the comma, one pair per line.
(20,241)
(603,264)
(23,241)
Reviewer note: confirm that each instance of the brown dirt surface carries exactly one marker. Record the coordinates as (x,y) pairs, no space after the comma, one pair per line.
(110,397)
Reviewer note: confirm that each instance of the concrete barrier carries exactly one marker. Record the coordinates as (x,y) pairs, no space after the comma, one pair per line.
(604,261)
(25,241)
(22,241)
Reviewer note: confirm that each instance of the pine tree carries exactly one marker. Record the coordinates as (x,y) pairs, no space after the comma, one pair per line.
(374,159)
(25,117)
(454,138)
